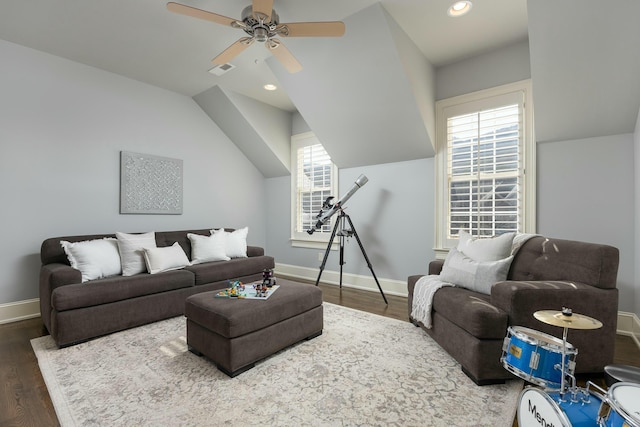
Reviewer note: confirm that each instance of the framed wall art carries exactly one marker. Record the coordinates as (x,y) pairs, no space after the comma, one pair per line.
(150,184)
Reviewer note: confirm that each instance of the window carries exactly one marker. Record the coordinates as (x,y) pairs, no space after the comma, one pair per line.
(485,164)
(313,180)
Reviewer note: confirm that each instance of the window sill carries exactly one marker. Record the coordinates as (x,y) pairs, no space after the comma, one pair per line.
(314,244)
(441,253)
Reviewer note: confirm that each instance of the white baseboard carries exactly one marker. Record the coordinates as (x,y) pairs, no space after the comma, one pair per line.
(20,310)
(629,325)
(356,281)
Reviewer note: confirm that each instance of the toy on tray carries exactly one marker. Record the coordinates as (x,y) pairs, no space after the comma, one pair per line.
(267,278)
(262,290)
(235,290)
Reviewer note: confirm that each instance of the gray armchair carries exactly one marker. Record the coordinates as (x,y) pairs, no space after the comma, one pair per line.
(546,274)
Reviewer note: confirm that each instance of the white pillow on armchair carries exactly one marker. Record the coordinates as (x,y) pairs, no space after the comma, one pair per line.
(477,276)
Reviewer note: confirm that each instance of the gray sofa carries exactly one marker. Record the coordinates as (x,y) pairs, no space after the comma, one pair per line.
(546,274)
(74,312)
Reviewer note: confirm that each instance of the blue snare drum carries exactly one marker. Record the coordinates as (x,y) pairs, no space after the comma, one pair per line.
(536,357)
(621,406)
(575,408)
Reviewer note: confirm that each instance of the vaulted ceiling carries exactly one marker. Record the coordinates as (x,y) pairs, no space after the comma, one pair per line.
(369,96)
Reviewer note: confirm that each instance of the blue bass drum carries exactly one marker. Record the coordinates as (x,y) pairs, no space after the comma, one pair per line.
(576,408)
(536,357)
(621,406)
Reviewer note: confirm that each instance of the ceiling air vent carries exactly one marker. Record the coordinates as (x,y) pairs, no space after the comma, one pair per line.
(219,70)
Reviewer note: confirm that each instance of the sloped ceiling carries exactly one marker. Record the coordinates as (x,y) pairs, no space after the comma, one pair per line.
(362,105)
(585,67)
(262,132)
(370,96)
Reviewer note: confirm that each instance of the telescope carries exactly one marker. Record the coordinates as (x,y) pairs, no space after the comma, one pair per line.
(329,209)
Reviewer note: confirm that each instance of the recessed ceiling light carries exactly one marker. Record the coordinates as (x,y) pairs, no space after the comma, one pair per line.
(270,87)
(459,8)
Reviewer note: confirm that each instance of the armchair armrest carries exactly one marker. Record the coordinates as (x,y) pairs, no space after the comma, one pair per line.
(435,266)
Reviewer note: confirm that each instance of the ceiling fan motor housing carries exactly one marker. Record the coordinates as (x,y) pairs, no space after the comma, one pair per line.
(261,31)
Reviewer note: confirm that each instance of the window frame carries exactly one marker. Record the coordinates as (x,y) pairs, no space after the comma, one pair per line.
(319,239)
(473,102)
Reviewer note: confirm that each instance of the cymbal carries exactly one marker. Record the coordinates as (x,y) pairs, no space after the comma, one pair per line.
(567,319)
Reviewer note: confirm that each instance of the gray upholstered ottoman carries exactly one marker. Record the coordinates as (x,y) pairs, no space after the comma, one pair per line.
(236,333)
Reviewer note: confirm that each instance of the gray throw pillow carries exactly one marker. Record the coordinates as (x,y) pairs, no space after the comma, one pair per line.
(463,271)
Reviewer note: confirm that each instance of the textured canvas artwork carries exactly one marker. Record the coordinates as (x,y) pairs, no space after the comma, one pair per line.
(150,184)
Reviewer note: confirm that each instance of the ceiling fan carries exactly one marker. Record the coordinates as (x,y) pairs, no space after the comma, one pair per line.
(262,24)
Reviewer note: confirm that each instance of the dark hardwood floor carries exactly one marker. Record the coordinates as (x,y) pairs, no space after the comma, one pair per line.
(25,401)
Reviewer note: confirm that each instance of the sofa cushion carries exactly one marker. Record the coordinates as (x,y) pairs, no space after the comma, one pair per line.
(484,249)
(132,251)
(217,271)
(471,311)
(118,288)
(235,242)
(165,259)
(477,276)
(95,259)
(207,248)
(542,258)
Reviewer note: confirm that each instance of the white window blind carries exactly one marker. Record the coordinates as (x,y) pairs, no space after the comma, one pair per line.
(485,164)
(314,177)
(484,170)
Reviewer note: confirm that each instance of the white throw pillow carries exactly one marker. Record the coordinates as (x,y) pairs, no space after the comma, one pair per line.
(94,258)
(491,249)
(165,259)
(235,241)
(131,251)
(474,275)
(207,248)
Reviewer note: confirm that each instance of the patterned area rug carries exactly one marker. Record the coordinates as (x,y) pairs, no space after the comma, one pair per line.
(363,370)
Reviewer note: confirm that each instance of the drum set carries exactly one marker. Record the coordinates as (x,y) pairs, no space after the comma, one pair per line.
(549,362)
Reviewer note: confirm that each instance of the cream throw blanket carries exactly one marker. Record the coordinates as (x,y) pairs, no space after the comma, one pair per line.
(427,286)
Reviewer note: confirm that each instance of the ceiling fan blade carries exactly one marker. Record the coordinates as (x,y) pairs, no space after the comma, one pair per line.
(199,13)
(233,51)
(282,54)
(262,7)
(311,29)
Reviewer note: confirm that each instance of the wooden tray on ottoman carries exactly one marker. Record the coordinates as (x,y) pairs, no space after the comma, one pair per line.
(235,333)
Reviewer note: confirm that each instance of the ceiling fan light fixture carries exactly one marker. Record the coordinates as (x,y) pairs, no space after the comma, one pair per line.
(460,8)
(261,34)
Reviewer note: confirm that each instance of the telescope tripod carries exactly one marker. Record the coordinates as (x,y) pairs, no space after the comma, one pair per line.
(342,234)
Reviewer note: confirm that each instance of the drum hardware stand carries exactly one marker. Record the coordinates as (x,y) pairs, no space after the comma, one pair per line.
(565,312)
(566,319)
(342,234)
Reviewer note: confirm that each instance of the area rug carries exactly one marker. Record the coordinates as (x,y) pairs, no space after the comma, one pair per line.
(364,369)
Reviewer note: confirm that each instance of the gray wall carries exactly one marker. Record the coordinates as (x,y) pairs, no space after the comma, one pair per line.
(393,215)
(507,65)
(584,189)
(62,127)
